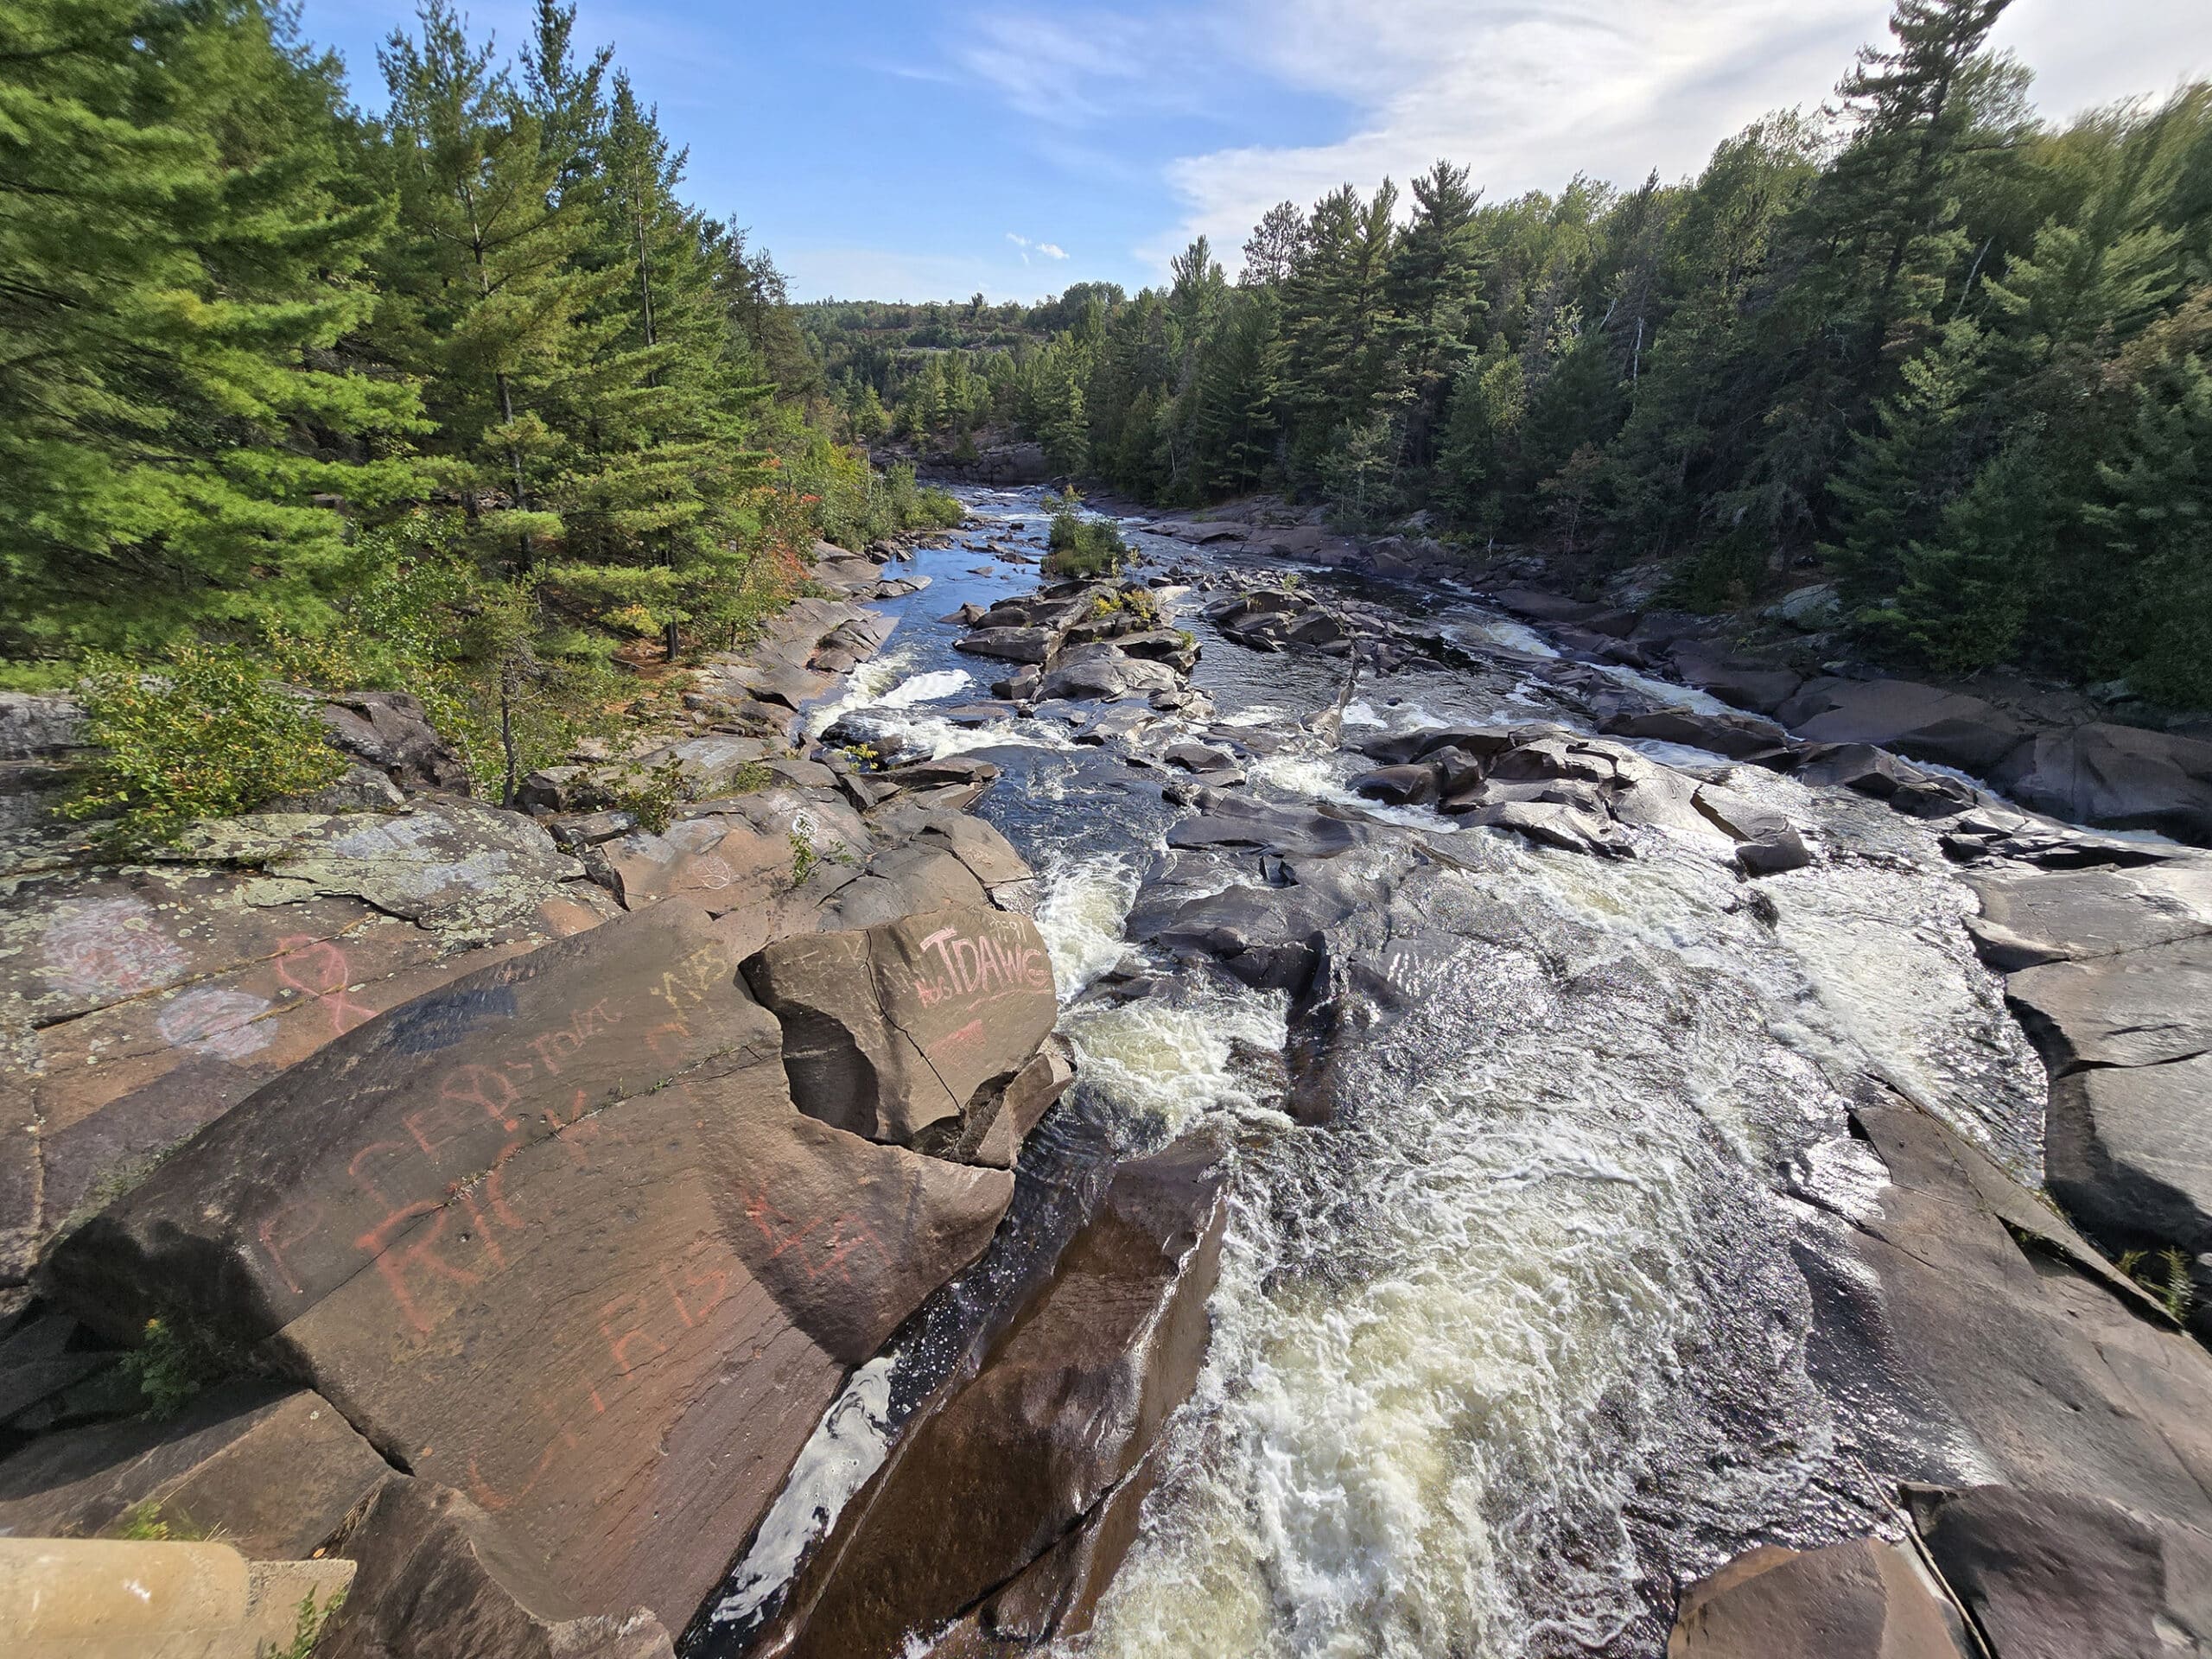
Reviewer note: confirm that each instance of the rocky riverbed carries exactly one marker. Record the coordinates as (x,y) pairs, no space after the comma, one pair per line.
(1242,1110)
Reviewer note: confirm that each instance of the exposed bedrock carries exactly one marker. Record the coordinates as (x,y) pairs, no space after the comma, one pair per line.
(1865,1598)
(2110,971)
(601,1132)
(1003,1512)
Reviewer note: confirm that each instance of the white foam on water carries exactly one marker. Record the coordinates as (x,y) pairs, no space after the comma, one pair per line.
(1177,1062)
(926,688)
(1435,1393)
(1474,633)
(1668,694)
(1085,902)
(1321,777)
(921,732)
(865,685)
(1888,955)
(847,1446)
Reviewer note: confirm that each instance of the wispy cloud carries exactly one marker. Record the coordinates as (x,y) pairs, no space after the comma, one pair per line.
(1045,249)
(1068,70)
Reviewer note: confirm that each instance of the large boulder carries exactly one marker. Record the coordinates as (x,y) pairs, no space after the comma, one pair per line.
(436,1578)
(1006,1510)
(390,731)
(1739,737)
(2009,1349)
(2060,1575)
(2031,916)
(1864,1598)
(1009,644)
(1747,684)
(888,1031)
(2116,777)
(1924,722)
(556,1237)
(2128,1152)
(1103,672)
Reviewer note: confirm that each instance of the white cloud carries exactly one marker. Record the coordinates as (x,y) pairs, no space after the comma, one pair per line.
(1529,93)
(1054,69)
(1051,251)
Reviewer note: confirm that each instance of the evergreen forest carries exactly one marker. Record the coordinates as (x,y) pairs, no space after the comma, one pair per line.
(466,399)
(1918,341)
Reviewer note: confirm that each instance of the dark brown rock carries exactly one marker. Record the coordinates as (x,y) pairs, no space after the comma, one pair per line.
(390,731)
(2117,778)
(888,1031)
(1924,722)
(2137,1007)
(2129,1154)
(1034,1449)
(270,1469)
(1410,785)
(2011,1350)
(1758,686)
(1010,645)
(1862,1599)
(2062,1575)
(160,997)
(1739,737)
(2031,916)
(1025,1100)
(1474,742)
(556,1237)
(1860,766)
(435,1580)
(1767,842)
(1103,672)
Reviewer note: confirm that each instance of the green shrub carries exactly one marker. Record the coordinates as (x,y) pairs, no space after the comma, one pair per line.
(144,1523)
(651,797)
(307,1624)
(1083,547)
(174,1363)
(207,735)
(939,510)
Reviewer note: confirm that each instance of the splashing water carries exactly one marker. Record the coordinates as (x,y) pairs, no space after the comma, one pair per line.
(1084,904)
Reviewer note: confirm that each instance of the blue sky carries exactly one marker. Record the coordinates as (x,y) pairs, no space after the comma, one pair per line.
(927,150)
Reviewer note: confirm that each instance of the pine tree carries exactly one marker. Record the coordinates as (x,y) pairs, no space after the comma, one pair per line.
(1238,381)
(180,253)
(1482,436)
(2155,520)
(1901,477)
(660,417)
(484,284)
(1436,303)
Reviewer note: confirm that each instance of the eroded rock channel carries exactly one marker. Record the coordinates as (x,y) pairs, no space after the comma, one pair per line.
(1238,1109)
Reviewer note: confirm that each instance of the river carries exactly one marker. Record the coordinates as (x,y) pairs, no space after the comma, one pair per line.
(1520,1343)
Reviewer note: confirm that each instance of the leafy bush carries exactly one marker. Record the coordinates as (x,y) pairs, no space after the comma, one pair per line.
(307,1623)
(1083,547)
(208,735)
(937,510)
(1136,603)
(651,797)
